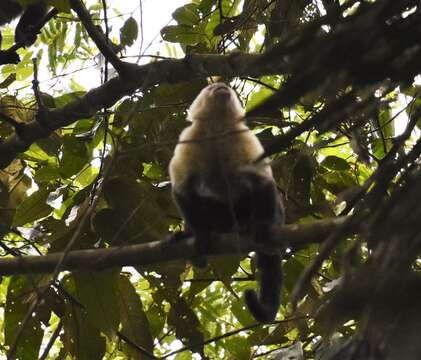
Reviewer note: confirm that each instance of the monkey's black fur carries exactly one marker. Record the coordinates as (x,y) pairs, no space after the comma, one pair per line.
(253,210)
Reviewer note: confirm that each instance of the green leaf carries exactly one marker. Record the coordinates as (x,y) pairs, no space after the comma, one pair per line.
(75,156)
(18,300)
(225,266)
(185,355)
(336,182)
(187,15)
(67,98)
(152,171)
(183,34)
(61,5)
(86,176)
(52,56)
(258,97)
(238,347)
(386,130)
(240,311)
(129,32)
(124,112)
(23,72)
(335,163)
(61,37)
(133,319)
(197,286)
(292,270)
(51,145)
(37,154)
(97,291)
(81,338)
(186,323)
(157,318)
(32,208)
(205,6)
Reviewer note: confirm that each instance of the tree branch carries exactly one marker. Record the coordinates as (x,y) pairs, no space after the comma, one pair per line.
(10,56)
(295,236)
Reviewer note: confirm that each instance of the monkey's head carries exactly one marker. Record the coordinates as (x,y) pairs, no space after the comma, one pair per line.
(217,100)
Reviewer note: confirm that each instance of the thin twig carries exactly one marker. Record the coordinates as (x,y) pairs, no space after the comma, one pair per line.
(42,113)
(52,340)
(35,85)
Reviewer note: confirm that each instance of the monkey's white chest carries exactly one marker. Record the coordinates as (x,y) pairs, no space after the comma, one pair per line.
(213,157)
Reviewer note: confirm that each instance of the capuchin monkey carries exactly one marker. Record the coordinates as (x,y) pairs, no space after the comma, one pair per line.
(32,15)
(218,188)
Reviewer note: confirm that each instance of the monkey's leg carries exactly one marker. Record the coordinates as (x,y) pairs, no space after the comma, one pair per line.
(202,215)
(259,205)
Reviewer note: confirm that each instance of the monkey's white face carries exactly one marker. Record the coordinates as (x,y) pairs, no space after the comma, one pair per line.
(216,100)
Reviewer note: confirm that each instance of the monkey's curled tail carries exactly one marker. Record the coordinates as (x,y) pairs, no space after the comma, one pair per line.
(265,306)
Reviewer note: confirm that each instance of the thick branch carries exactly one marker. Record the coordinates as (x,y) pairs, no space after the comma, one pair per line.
(162,251)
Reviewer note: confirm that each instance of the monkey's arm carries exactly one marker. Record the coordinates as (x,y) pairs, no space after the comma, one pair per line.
(203,215)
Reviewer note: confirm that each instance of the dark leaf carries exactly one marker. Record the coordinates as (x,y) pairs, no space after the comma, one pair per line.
(335,163)
(187,15)
(75,156)
(182,34)
(134,322)
(129,32)
(32,208)
(18,301)
(98,292)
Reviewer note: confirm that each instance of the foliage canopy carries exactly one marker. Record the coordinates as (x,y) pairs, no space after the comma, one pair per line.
(331,89)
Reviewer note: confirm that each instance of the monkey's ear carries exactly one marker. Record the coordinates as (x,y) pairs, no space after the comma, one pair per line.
(32,16)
